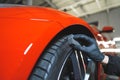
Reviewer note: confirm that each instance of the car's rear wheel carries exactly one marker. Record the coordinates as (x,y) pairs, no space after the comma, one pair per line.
(61,62)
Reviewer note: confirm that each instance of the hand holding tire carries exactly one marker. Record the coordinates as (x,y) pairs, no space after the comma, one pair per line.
(87,45)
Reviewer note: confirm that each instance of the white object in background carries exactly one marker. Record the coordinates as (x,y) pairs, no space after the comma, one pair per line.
(110,50)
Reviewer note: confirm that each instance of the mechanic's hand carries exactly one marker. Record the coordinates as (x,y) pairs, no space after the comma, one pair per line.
(87,45)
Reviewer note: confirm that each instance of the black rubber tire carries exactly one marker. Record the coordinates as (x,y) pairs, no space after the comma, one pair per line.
(50,63)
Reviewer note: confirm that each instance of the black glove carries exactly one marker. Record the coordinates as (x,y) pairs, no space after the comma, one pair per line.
(87,45)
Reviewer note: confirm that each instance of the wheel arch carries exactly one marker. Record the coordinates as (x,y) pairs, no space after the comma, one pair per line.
(73,29)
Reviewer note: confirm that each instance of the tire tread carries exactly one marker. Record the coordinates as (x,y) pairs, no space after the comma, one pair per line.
(44,64)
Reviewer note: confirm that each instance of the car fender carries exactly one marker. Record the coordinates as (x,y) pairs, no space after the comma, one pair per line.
(22,44)
(24,37)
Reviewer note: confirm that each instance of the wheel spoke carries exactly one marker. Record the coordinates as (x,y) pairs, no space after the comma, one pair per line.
(85,75)
(76,67)
(90,69)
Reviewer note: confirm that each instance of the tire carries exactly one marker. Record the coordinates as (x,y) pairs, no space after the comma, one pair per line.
(60,62)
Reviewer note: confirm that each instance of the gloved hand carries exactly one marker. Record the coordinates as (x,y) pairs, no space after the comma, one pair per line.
(87,45)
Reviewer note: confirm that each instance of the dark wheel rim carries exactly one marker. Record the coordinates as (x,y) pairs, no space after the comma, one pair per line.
(77,67)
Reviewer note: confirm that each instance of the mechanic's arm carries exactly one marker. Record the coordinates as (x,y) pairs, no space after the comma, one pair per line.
(112,67)
(89,47)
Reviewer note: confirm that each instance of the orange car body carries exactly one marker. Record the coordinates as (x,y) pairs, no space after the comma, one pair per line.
(25,32)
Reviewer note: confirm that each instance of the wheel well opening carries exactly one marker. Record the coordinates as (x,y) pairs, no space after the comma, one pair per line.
(74,29)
